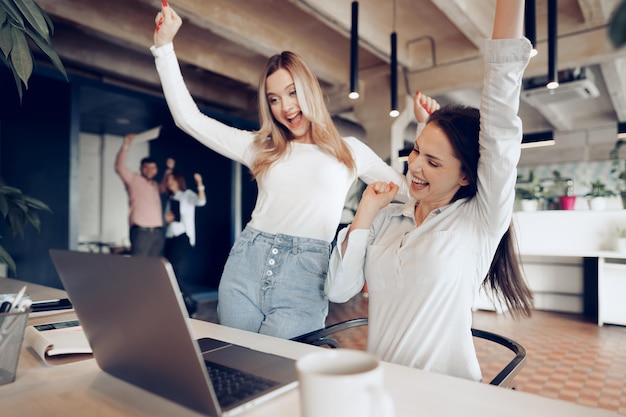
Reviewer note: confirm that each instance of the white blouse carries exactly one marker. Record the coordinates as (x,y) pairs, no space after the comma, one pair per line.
(422,280)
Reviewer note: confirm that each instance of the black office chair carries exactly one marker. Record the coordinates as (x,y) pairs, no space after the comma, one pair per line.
(504,378)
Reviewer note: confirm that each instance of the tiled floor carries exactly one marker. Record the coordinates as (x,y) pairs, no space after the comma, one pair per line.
(568,356)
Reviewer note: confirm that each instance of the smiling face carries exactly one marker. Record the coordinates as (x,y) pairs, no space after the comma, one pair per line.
(283,102)
(434,172)
(149,170)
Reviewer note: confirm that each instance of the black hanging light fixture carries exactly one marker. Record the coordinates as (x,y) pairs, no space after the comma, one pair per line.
(530,24)
(354,52)
(394,67)
(553,72)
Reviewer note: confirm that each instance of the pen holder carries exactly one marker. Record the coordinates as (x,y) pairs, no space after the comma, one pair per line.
(12,327)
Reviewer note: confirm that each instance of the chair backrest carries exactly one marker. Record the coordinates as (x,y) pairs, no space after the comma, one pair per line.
(504,378)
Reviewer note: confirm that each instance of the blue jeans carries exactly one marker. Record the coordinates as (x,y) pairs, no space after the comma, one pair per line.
(274,284)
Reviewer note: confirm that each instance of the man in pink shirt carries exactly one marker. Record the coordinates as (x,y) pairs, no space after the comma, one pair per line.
(145,216)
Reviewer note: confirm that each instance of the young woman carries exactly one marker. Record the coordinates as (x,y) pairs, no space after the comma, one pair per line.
(180,220)
(273,280)
(425,261)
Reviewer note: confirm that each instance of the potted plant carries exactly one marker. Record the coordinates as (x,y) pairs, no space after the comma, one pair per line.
(23,24)
(18,210)
(528,192)
(560,192)
(529,200)
(598,194)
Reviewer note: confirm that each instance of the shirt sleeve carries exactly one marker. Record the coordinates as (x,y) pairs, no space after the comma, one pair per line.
(372,168)
(120,165)
(500,130)
(345,274)
(226,140)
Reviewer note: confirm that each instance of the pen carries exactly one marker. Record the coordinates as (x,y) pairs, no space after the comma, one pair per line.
(18,298)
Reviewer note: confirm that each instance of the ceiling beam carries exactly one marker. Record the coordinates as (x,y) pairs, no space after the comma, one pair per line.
(597,12)
(586,48)
(614,73)
(474,18)
(131,24)
(108,60)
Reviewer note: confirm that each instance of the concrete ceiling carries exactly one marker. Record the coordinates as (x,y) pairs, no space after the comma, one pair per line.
(224,44)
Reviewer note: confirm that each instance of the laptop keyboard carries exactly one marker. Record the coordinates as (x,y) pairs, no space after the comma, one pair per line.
(232,386)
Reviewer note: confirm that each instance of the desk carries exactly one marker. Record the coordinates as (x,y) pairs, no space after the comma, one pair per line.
(37,292)
(81,389)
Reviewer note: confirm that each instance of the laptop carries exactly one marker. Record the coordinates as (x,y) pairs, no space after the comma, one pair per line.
(135,319)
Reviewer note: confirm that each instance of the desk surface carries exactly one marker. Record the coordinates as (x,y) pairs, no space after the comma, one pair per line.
(80,388)
(37,292)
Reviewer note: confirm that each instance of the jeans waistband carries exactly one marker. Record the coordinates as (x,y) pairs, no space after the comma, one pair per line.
(251,233)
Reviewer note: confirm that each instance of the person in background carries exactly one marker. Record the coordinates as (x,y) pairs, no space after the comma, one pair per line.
(424,261)
(273,279)
(180,232)
(145,216)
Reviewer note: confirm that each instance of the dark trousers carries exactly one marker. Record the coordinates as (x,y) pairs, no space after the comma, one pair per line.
(176,251)
(148,241)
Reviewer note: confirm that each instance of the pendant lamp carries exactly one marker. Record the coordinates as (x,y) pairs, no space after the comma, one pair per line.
(553,72)
(354,52)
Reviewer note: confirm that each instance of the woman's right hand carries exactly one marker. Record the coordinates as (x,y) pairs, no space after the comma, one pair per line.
(167,24)
(378,195)
(423,106)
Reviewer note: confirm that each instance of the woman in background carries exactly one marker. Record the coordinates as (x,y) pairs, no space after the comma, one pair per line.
(180,220)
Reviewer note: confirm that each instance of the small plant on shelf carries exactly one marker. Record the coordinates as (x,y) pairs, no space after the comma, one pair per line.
(600,189)
(598,194)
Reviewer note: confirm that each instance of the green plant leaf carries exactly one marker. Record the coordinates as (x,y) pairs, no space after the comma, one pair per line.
(5,39)
(7,259)
(33,15)
(21,57)
(12,12)
(3,16)
(4,205)
(18,82)
(46,48)
(33,218)
(15,221)
(36,204)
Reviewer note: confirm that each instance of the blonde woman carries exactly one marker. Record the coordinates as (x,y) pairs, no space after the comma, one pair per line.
(273,280)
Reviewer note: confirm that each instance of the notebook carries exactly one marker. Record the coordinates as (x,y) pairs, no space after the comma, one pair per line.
(135,319)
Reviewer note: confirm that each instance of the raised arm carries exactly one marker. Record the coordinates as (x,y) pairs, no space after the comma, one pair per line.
(120,160)
(509,19)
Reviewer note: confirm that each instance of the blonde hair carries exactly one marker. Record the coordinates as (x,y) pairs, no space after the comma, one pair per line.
(272,139)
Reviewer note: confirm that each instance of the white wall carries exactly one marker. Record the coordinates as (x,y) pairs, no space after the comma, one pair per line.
(103,198)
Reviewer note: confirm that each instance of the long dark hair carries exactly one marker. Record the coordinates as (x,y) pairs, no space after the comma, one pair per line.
(180,179)
(505,279)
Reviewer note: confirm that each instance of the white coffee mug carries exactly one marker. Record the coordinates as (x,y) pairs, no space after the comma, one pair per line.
(342,382)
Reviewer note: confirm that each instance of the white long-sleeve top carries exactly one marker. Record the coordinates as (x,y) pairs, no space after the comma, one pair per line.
(303,193)
(422,280)
(188,201)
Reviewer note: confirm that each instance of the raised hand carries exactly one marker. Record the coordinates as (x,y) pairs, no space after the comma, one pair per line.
(423,106)
(167,24)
